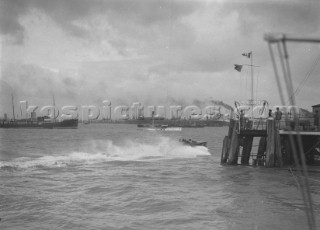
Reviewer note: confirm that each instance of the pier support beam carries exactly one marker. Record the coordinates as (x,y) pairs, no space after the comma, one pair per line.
(231,126)
(246,151)
(226,143)
(270,152)
(261,151)
(279,160)
(225,148)
(233,151)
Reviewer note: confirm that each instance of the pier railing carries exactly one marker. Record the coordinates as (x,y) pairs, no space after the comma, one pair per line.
(294,124)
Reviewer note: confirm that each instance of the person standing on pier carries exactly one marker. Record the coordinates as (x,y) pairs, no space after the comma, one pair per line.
(278,116)
(242,119)
(270,113)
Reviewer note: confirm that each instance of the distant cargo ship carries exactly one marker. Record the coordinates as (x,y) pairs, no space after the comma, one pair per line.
(35,122)
(45,123)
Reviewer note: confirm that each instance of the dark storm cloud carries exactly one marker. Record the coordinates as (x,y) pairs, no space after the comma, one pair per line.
(291,16)
(147,49)
(254,19)
(9,12)
(65,12)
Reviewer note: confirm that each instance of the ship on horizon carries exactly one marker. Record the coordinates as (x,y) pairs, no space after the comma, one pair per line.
(35,122)
(40,122)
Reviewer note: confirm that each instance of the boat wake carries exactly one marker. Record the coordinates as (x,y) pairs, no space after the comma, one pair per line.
(107,151)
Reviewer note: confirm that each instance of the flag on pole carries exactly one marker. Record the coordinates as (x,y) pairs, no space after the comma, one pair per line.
(248,55)
(238,67)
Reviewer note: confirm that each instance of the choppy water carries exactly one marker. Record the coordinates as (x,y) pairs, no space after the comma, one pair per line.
(120,177)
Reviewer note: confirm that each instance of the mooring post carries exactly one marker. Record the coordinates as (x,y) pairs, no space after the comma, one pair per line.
(270,143)
(226,143)
(225,148)
(231,125)
(234,145)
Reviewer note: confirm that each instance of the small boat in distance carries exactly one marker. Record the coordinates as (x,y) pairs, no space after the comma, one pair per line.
(193,142)
(63,124)
(154,127)
(145,125)
(163,128)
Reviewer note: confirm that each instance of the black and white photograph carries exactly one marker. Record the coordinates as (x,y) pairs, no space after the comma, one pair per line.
(159,114)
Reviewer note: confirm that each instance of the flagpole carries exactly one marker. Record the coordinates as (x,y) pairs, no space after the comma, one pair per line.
(14,117)
(251,83)
(239,67)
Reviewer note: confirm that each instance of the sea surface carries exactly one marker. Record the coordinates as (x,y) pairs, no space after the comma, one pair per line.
(117,176)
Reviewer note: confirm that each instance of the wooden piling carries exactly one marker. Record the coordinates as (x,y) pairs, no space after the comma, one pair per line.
(225,148)
(246,151)
(286,156)
(270,162)
(278,153)
(261,151)
(231,126)
(226,143)
(234,145)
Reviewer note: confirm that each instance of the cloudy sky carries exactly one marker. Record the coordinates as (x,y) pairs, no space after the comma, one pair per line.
(152,51)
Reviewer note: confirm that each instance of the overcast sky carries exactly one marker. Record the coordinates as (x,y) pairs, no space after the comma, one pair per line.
(151,51)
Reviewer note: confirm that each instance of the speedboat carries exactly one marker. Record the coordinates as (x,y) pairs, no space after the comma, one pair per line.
(160,128)
(193,142)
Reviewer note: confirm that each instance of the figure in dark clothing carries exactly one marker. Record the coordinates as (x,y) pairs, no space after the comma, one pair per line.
(278,116)
(316,119)
(242,119)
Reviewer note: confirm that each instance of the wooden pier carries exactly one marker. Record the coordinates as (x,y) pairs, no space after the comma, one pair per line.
(274,149)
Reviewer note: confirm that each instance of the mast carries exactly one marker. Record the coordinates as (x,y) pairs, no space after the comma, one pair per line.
(252,99)
(295,143)
(251,77)
(20,111)
(54,109)
(239,67)
(110,112)
(14,117)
